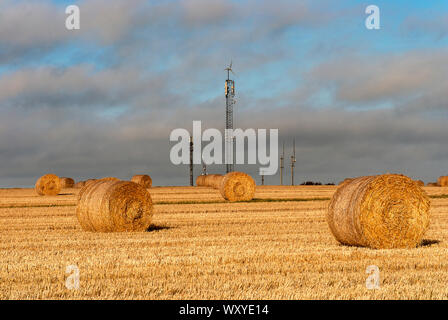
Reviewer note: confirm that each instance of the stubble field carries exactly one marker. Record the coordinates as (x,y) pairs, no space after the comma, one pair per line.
(200,247)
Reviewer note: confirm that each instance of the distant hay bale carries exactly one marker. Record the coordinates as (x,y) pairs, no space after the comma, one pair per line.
(114,206)
(110,179)
(433,184)
(386,211)
(216,181)
(420,183)
(89,182)
(345,180)
(67,182)
(48,185)
(209,180)
(237,186)
(443,181)
(79,184)
(143,180)
(200,181)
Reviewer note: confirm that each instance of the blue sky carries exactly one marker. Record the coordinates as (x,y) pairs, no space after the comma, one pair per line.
(138,69)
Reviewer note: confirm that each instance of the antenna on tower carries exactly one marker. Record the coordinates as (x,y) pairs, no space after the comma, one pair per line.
(293,161)
(230,101)
(282,158)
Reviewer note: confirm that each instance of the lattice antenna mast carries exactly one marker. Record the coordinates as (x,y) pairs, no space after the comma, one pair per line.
(293,161)
(282,162)
(230,102)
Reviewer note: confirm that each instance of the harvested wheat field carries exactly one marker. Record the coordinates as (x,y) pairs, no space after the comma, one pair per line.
(278,246)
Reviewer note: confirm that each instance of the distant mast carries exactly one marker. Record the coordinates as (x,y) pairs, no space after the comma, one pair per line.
(230,101)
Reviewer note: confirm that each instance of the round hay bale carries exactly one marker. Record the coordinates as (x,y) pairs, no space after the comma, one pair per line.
(114,206)
(237,186)
(420,183)
(208,180)
(79,184)
(345,180)
(48,185)
(67,182)
(386,211)
(110,179)
(143,180)
(200,181)
(443,181)
(433,184)
(216,181)
(90,181)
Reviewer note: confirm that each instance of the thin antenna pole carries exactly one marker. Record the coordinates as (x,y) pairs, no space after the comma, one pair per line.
(191,161)
(282,158)
(293,160)
(262,179)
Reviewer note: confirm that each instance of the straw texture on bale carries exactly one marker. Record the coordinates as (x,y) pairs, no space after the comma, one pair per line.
(143,180)
(420,183)
(443,181)
(386,211)
(79,184)
(48,185)
(67,182)
(110,179)
(237,186)
(90,181)
(114,206)
(345,180)
(200,181)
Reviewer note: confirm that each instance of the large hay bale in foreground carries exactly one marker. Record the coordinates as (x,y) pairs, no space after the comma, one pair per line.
(443,181)
(48,185)
(114,206)
(345,180)
(386,211)
(67,182)
(237,186)
(90,181)
(143,180)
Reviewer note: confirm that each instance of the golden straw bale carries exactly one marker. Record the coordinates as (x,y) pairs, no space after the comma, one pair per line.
(89,182)
(67,182)
(386,211)
(345,180)
(420,183)
(443,181)
(48,185)
(114,206)
(110,179)
(79,184)
(200,181)
(208,180)
(143,180)
(216,181)
(433,184)
(237,186)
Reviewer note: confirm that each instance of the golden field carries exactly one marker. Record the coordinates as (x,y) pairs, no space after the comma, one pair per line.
(201,247)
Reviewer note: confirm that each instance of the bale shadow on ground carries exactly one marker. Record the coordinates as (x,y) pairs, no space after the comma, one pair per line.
(428,242)
(154,227)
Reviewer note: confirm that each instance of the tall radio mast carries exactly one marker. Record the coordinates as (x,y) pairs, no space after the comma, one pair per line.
(230,101)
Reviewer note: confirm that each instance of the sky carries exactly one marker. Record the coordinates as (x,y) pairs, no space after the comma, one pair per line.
(102,101)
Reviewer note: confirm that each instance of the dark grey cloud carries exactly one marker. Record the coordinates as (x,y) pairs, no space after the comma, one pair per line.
(161,67)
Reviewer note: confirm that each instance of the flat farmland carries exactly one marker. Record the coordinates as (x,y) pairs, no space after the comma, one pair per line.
(200,247)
